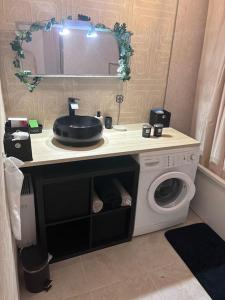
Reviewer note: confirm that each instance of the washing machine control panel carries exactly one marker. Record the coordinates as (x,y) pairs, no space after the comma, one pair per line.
(175,160)
(169,160)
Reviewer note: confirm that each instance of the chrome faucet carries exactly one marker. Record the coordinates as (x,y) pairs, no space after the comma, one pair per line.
(73,104)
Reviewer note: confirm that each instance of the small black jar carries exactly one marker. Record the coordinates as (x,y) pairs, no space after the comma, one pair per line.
(158,128)
(146,130)
(108,122)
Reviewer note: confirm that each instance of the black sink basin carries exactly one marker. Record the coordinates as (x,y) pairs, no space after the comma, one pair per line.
(77,130)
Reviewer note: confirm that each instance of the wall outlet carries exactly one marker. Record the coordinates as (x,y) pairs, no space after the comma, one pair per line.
(119,98)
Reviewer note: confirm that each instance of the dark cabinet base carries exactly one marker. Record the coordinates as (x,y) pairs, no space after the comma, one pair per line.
(64,193)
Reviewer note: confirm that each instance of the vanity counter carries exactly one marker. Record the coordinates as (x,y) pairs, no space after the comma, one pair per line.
(46,150)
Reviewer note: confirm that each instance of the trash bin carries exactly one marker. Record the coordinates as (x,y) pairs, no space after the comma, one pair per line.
(35,265)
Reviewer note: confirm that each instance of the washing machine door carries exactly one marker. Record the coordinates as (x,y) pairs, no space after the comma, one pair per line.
(170,192)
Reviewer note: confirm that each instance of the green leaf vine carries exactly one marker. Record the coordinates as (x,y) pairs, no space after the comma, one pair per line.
(120,31)
(125,50)
(17,46)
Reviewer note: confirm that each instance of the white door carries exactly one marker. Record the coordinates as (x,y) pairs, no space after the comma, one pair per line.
(170,192)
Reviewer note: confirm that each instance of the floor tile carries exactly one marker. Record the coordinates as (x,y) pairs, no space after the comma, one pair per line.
(86,296)
(99,270)
(132,288)
(64,263)
(153,251)
(70,280)
(193,218)
(176,282)
(145,268)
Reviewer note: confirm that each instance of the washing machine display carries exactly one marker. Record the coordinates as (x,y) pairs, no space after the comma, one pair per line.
(166,187)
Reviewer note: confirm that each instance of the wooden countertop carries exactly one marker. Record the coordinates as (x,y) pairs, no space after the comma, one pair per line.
(46,150)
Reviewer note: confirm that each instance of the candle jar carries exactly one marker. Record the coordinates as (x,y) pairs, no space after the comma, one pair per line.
(146,130)
(158,128)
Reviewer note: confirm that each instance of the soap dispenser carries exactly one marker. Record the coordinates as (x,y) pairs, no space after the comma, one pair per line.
(99,116)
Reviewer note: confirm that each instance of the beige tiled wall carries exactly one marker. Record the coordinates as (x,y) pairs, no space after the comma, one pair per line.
(185,62)
(152,22)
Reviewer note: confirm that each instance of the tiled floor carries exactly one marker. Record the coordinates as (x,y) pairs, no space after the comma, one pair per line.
(145,268)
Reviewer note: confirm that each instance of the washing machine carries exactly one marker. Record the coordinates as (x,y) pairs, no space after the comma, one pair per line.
(165,189)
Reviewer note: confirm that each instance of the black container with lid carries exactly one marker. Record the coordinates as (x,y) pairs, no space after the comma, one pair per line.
(108,122)
(35,263)
(146,130)
(158,128)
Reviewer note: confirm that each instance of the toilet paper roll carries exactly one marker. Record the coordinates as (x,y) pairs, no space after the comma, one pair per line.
(97,205)
(20,136)
(126,197)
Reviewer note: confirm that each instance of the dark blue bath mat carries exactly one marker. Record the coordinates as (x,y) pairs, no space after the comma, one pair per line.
(203,251)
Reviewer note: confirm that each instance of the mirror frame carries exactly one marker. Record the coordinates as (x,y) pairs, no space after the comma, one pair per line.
(120,32)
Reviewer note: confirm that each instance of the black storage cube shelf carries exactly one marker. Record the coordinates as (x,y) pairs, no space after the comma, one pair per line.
(64,194)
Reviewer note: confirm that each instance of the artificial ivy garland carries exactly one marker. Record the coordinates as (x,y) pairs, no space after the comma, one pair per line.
(17,46)
(126,51)
(119,30)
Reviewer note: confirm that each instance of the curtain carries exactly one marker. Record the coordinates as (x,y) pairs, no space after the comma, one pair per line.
(8,270)
(208,124)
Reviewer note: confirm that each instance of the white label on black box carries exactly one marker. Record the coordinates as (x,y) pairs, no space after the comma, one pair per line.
(17,145)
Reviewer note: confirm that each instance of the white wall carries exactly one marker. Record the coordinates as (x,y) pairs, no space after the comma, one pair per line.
(209,200)
(8,270)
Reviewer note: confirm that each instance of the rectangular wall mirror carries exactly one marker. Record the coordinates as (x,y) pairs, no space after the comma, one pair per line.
(75,49)
(71,48)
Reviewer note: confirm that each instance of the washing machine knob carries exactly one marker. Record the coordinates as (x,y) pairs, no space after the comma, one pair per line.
(192,157)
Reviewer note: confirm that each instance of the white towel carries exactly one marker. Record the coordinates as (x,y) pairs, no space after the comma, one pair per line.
(126,197)
(14,181)
(97,203)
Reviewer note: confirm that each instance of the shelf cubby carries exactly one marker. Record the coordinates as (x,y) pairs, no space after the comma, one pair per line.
(67,239)
(110,226)
(126,179)
(66,200)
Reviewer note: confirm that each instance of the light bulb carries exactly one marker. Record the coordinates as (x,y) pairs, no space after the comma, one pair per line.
(64,31)
(91,32)
(92,35)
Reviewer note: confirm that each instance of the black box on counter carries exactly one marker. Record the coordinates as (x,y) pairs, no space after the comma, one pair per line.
(160,116)
(9,129)
(35,130)
(20,149)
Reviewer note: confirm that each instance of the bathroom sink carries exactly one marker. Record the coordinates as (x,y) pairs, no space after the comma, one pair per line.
(77,130)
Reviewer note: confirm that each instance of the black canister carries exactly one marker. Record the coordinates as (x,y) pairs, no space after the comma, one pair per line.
(146,130)
(158,128)
(108,122)
(35,264)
